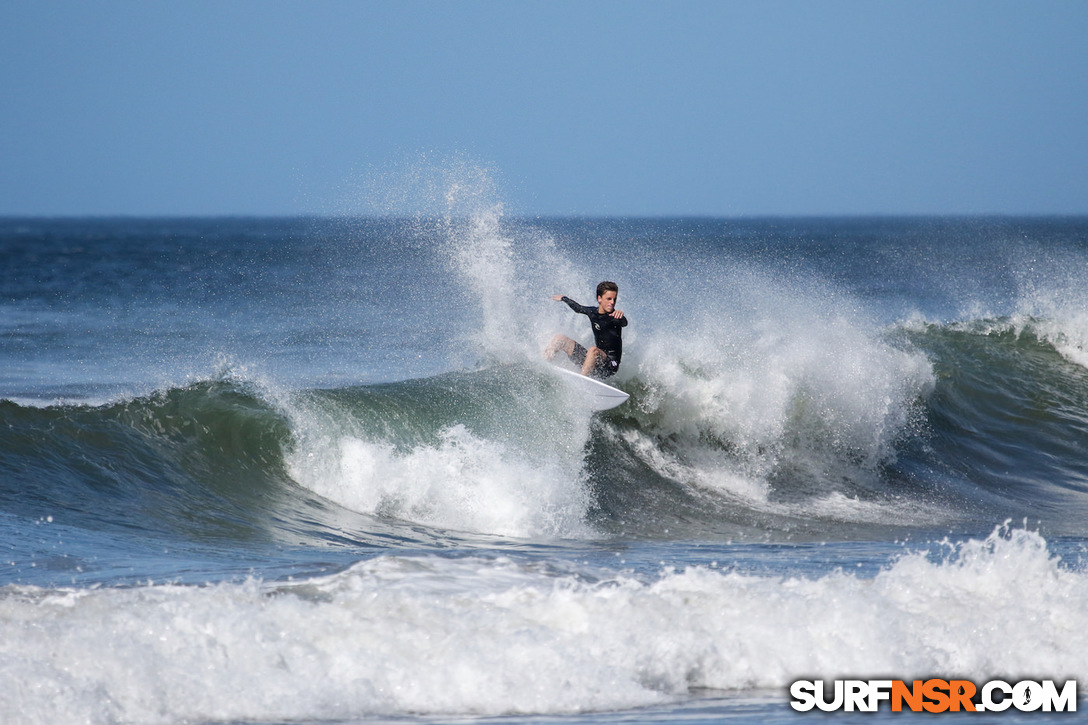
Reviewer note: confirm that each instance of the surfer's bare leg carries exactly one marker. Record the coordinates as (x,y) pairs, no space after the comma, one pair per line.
(592,356)
(559,342)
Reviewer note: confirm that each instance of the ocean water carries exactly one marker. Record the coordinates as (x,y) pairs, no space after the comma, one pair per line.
(316,471)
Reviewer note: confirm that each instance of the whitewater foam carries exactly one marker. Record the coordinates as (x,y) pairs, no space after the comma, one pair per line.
(775,379)
(496,452)
(463,482)
(483,636)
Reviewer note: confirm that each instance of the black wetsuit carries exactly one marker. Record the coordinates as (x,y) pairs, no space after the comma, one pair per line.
(607,335)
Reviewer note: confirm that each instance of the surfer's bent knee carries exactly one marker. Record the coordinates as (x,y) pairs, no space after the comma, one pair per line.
(560,342)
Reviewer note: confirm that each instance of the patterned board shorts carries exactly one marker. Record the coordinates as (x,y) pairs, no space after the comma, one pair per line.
(604,367)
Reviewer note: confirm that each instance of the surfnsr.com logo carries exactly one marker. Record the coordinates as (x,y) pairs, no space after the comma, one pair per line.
(934,695)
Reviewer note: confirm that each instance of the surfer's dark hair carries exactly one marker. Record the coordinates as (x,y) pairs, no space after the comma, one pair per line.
(607,287)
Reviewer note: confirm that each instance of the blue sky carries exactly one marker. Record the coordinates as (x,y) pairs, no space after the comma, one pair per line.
(583,108)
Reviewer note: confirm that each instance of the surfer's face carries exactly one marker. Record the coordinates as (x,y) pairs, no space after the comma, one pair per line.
(607,302)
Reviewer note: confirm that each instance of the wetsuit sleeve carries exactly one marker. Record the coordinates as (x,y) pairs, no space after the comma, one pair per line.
(580,309)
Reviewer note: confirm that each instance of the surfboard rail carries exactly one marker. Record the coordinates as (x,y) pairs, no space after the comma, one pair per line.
(596,394)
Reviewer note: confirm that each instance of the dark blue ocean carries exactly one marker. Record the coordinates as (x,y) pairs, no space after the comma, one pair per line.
(317,471)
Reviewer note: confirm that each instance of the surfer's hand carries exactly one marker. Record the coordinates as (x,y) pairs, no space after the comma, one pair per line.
(617,314)
(557,298)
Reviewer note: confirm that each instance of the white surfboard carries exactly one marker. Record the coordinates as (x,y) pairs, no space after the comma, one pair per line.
(595,394)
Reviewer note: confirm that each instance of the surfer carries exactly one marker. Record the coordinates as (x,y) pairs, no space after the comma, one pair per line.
(603,359)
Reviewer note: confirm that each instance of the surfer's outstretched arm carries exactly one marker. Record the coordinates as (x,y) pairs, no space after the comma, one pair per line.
(580,309)
(561,342)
